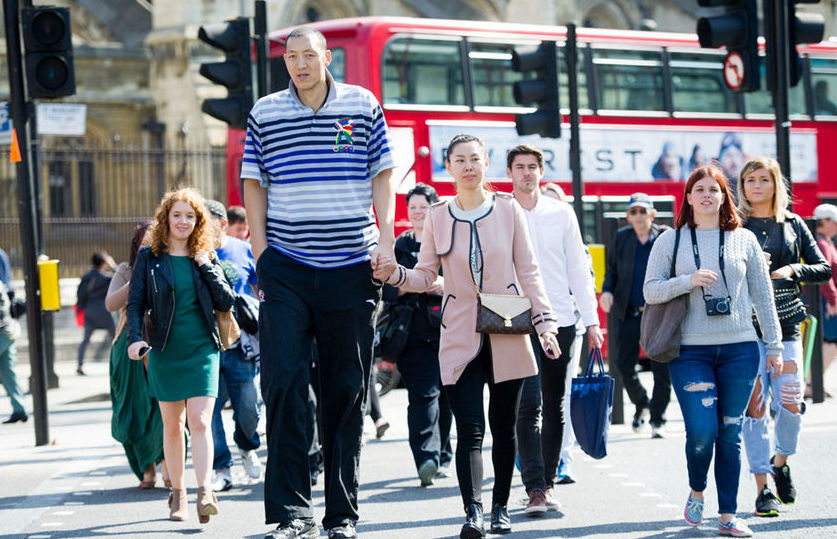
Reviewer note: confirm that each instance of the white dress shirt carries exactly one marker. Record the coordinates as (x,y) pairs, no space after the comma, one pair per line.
(563,261)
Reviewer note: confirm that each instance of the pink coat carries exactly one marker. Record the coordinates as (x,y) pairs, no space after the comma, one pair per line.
(509,266)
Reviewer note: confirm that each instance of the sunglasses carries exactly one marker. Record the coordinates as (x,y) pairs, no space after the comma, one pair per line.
(635,211)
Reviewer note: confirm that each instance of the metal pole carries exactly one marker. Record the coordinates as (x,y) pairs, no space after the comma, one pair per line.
(27,212)
(780,89)
(609,228)
(571,50)
(47,316)
(260,23)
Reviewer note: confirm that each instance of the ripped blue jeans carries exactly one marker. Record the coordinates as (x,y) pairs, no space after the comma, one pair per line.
(787,389)
(713,384)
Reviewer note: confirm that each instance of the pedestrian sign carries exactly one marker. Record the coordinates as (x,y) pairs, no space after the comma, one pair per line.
(5,125)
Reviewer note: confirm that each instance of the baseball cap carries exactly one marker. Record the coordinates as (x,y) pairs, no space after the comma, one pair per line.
(826,211)
(640,199)
(216,208)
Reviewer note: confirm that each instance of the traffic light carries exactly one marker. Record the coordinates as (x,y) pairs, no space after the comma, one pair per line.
(541,91)
(49,52)
(737,30)
(802,28)
(235,73)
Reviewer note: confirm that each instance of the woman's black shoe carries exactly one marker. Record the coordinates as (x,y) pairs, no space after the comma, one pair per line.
(17,416)
(500,521)
(473,527)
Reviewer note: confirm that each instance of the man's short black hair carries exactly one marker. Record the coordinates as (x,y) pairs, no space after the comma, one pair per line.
(524,149)
(424,190)
(317,37)
(98,258)
(236,214)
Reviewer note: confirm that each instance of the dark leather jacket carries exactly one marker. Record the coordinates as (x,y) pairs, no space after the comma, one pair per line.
(152,287)
(620,267)
(797,243)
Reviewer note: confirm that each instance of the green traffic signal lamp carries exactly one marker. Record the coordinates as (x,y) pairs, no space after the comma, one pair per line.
(541,91)
(47,38)
(235,73)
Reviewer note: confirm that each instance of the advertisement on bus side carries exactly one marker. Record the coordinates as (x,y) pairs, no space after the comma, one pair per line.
(612,153)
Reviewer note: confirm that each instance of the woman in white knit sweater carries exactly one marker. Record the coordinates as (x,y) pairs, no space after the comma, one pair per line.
(720,265)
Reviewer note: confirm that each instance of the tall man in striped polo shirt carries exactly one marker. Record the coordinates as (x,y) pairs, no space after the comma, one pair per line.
(316,159)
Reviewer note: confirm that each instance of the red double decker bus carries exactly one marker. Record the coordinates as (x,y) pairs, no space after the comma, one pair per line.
(653,107)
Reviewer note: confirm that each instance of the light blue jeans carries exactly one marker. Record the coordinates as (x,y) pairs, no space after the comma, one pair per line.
(8,377)
(785,389)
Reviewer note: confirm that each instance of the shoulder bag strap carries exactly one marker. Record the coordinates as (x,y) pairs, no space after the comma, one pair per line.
(671,274)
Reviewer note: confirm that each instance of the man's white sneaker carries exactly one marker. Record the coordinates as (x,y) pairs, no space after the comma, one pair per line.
(251,463)
(222,480)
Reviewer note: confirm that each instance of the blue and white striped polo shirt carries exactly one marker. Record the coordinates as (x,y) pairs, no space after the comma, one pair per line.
(318,169)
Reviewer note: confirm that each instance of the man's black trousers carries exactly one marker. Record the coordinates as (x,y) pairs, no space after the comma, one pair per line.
(336,308)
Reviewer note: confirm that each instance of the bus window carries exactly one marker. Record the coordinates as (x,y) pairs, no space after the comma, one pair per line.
(629,79)
(761,102)
(337,67)
(423,71)
(697,83)
(493,75)
(824,81)
(581,77)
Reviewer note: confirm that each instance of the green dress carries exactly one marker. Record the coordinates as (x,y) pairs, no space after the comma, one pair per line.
(136,421)
(188,365)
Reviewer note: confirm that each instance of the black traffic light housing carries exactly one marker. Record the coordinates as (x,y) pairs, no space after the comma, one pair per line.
(47,39)
(737,30)
(541,91)
(802,28)
(235,73)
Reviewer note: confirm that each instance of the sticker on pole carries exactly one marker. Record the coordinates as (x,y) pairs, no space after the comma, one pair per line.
(5,125)
(734,70)
(14,154)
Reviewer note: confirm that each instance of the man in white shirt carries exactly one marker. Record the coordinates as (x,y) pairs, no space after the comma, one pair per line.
(559,249)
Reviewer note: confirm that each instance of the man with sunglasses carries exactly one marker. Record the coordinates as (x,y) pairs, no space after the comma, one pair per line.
(622,296)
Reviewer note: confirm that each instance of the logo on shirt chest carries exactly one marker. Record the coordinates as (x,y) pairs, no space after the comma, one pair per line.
(344,139)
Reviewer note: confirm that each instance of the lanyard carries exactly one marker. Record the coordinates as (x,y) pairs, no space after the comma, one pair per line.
(720,256)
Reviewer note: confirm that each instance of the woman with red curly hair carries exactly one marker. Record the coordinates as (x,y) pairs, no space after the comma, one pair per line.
(719,264)
(176,286)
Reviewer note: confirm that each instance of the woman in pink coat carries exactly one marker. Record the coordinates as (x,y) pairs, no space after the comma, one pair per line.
(480,237)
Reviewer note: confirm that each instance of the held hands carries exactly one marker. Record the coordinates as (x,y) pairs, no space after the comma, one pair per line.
(606,301)
(595,334)
(202,258)
(135,349)
(550,345)
(382,267)
(774,365)
(383,256)
(703,277)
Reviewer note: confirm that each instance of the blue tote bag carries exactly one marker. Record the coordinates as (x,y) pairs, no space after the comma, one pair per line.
(591,405)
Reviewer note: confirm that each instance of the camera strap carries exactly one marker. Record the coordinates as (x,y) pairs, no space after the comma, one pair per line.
(696,252)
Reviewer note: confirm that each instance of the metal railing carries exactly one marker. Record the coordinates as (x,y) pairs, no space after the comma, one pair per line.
(93,196)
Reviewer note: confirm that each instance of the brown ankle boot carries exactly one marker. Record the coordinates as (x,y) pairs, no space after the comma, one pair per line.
(177,505)
(207,504)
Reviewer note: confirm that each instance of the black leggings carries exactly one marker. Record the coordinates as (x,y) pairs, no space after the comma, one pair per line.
(466,401)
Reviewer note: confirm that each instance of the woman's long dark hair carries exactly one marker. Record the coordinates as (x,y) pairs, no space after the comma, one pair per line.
(136,242)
